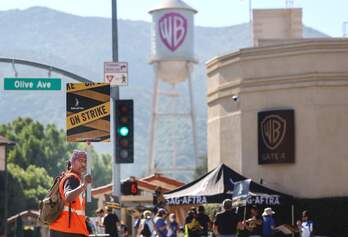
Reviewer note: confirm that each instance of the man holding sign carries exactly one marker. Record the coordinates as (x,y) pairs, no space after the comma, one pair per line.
(72,187)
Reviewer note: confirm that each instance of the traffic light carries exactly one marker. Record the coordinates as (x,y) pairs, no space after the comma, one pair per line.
(124,131)
(129,187)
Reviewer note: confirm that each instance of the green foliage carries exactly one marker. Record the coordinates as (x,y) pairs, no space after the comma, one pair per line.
(102,169)
(37,145)
(16,198)
(32,182)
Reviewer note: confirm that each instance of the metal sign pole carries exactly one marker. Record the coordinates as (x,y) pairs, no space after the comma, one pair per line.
(116,176)
(89,171)
(6,194)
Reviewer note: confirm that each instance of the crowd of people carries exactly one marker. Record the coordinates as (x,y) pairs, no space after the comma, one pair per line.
(157,222)
(107,223)
(161,224)
(225,223)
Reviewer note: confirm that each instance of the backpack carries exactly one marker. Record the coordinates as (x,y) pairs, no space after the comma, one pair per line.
(146,230)
(52,205)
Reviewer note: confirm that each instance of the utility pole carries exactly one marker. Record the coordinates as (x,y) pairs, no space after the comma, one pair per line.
(116,176)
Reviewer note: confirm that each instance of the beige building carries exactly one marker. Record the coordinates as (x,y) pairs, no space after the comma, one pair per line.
(283,71)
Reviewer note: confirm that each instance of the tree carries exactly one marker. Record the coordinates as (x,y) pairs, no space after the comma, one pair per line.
(27,186)
(101,170)
(37,145)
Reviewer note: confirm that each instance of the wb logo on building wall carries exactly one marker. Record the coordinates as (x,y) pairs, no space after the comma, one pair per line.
(276,136)
(273,129)
(173,30)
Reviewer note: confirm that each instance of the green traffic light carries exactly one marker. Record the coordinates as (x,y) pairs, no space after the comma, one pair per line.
(123,131)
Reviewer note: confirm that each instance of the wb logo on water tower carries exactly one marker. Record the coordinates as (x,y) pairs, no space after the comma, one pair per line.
(173,30)
(276,136)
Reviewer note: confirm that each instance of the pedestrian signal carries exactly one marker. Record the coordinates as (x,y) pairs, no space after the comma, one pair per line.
(129,188)
(124,131)
(134,188)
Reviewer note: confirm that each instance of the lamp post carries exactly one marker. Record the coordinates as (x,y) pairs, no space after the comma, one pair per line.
(4,144)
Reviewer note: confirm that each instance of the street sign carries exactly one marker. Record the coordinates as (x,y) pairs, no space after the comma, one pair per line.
(116,73)
(23,84)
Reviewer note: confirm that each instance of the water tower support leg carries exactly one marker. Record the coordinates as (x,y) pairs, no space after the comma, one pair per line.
(153,126)
(193,114)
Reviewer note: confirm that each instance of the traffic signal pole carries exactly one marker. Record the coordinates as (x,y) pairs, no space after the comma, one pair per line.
(115,95)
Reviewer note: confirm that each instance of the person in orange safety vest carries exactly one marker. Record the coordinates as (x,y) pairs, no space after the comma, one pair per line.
(72,187)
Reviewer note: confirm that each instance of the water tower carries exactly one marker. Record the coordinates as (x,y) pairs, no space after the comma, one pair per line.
(173,122)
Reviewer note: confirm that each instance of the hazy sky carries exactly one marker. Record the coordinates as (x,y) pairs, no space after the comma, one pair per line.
(324,15)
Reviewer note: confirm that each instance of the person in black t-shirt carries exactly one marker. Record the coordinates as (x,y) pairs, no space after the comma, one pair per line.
(225,223)
(203,220)
(111,223)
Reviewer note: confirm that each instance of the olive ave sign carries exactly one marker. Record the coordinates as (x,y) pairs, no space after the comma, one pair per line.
(32,84)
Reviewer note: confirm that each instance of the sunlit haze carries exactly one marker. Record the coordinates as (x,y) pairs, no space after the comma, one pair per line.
(325,16)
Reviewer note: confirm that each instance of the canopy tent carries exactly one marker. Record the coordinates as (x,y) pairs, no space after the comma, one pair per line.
(217,185)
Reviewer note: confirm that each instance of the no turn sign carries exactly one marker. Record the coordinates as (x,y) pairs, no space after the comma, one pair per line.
(116,73)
